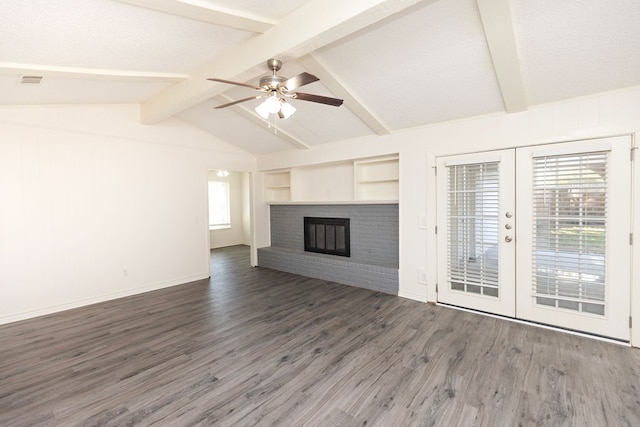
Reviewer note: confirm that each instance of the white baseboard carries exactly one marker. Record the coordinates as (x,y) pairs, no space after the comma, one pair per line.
(413,296)
(225,244)
(98,299)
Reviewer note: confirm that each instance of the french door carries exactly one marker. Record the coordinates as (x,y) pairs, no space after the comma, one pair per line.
(476,250)
(539,233)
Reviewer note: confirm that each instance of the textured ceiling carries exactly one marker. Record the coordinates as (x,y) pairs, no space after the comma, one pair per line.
(433,59)
(108,34)
(397,63)
(570,48)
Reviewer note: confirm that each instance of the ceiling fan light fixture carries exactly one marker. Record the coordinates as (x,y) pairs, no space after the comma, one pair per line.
(287,110)
(263,110)
(272,104)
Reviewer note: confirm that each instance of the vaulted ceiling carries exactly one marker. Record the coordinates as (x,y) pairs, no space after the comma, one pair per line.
(396,63)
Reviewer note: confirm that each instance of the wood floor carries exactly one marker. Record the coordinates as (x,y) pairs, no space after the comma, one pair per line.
(257,347)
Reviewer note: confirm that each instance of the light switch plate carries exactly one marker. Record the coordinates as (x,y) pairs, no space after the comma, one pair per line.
(422,276)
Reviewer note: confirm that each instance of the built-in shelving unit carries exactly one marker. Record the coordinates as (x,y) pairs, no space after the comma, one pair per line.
(277,186)
(374,179)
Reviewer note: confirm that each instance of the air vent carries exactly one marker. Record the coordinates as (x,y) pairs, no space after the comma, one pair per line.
(30,80)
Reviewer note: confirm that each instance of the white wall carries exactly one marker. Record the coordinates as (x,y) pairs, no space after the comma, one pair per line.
(235,235)
(94,205)
(596,116)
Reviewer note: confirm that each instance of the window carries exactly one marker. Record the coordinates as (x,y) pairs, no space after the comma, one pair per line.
(219,209)
(473,224)
(570,221)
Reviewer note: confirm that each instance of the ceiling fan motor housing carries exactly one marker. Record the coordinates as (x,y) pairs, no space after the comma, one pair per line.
(271,82)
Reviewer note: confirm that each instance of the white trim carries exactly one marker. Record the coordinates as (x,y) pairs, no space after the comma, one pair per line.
(562,150)
(634,300)
(473,161)
(225,244)
(89,73)
(413,296)
(342,202)
(205,12)
(498,29)
(102,298)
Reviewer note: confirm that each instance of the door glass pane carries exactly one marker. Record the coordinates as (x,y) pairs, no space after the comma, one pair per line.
(473,228)
(570,212)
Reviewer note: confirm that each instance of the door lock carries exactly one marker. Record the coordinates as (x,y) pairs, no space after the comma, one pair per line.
(508,239)
(507,226)
(508,214)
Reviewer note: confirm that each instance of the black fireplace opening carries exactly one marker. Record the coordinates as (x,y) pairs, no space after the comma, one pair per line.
(327,236)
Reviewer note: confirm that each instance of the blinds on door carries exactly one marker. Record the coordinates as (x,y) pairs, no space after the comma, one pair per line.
(570,213)
(473,227)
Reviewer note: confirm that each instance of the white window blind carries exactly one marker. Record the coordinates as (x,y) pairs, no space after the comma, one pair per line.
(219,208)
(473,227)
(569,235)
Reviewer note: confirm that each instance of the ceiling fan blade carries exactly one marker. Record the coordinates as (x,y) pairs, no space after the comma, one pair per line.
(234,83)
(317,98)
(228,104)
(300,80)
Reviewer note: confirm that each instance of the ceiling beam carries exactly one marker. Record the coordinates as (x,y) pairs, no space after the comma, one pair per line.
(253,117)
(206,12)
(338,88)
(88,73)
(313,25)
(498,29)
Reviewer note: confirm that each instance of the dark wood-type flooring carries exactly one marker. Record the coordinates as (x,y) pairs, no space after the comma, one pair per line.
(255,347)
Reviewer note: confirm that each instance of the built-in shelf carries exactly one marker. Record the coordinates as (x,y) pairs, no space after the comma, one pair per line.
(376,178)
(359,181)
(375,181)
(336,202)
(277,186)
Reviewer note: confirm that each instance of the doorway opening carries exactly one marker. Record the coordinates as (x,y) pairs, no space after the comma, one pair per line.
(229,208)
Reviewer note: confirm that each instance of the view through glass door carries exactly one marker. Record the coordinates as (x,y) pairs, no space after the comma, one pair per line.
(567,263)
(476,202)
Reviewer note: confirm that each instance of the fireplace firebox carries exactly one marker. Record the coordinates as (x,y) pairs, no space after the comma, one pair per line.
(327,236)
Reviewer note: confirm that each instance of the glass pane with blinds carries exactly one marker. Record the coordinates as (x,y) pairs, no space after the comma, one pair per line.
(570,213)
(473,228)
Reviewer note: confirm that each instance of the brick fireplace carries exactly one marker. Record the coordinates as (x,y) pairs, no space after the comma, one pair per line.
(373,261)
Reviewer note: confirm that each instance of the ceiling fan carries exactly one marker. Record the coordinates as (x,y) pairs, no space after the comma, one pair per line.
(276,89)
